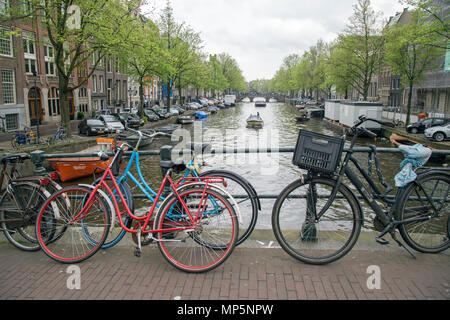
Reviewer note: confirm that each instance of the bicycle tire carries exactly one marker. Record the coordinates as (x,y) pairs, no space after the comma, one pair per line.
(126,191)
(249,216)
(21,233)
(14,143)
(221,228)
(432,235)
(305,239)
(72,246)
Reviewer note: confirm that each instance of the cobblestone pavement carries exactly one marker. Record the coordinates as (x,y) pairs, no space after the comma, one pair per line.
(249,274)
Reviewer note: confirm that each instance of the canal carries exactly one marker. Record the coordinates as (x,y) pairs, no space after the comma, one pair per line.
(268,173)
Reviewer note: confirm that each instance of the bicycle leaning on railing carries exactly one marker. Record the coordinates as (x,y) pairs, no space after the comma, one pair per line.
(21,200)
(247,201)
(318,218)
(195,227)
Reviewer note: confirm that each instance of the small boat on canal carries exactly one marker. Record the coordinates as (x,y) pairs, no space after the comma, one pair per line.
(134,138)
(75,168)
(168,128)
(304,116)
(213,109)
(200,115)
(260,102)
(185,119)
(255,121)
(400,140)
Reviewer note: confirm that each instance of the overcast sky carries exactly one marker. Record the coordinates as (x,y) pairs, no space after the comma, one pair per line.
(260,33)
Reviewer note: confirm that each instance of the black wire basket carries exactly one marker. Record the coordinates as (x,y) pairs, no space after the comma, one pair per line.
(317,152)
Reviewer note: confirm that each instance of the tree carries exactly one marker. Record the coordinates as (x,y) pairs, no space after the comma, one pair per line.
(363,44)
(408,51)
(77,30)
(143,55)
(183,45)
(232,72)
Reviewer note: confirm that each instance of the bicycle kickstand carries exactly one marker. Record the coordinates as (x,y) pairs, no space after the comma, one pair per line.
(138,249)
(393,235)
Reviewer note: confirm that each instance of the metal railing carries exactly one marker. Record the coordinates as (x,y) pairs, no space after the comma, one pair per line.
(165,152)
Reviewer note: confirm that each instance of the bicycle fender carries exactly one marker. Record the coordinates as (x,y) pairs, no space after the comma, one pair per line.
(108,201)
(219,190)
(206,173)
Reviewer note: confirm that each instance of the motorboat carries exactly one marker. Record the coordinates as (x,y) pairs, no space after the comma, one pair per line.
(200,115)
(260,102)
(255,121)
(185,119)
(75,168)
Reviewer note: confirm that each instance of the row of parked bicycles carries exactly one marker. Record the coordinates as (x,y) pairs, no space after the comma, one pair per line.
(198,220)
(28,137)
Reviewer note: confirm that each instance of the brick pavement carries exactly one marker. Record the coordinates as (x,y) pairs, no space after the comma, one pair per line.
(249,274)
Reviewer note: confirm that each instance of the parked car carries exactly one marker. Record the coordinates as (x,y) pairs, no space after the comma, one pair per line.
(92,127)
(130,119)
(151,115)
(162,113)
(179,109)
(438,133)
(419,127)
(112,123)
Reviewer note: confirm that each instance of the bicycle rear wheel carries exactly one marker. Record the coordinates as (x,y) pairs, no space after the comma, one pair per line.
(202,247)
(428,235)
(18,210)
(246,198)
(308,240)
(80,233)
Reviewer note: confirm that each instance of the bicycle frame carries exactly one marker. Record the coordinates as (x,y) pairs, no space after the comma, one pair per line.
(194,218)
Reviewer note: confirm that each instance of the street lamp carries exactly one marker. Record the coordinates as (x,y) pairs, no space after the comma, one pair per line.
(36,111)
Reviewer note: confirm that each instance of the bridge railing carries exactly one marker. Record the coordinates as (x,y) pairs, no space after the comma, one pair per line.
(165,152)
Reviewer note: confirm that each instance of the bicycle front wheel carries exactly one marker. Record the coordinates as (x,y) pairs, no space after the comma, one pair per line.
(82,226)
(18,210)
(310,239)
(202,245)
(428,229)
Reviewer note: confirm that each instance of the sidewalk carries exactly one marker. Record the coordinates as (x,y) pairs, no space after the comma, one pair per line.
(249,274)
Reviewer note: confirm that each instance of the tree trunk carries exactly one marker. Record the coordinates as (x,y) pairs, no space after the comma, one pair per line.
(408,106)
(64,105)
(169,93)
(141,99)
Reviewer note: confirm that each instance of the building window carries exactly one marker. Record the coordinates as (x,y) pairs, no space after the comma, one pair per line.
(94,83)
(101,82)
(6,48)
(8,86)
(53,101)
(109,65)
(117,89)
(12,121)
(49,56)
(29,52)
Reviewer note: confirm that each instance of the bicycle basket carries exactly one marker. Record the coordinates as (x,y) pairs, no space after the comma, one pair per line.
(317,152)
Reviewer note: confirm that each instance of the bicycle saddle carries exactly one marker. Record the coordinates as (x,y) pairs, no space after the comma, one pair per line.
(177,166)
(198,146)
(14,158)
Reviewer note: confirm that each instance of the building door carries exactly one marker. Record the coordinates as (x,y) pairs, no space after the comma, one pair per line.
(34,106)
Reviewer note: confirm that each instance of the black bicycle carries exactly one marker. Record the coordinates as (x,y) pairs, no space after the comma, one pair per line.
(318,218)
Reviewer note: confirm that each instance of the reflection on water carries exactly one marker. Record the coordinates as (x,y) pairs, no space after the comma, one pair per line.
(268,173)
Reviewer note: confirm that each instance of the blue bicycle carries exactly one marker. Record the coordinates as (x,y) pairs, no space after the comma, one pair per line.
(247,201)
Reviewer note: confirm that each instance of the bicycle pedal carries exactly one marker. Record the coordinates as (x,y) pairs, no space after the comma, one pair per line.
(381,240)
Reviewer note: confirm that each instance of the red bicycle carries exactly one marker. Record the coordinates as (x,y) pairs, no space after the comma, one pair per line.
(195,227)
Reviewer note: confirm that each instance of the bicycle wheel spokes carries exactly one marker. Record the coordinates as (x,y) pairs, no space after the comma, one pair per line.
(431,234)
(310,240)
(80,233)
(200,247)
(19,209)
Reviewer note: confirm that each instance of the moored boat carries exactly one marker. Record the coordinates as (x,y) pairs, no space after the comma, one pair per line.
(75,168)
(185,119)
(400,140)
(200,115)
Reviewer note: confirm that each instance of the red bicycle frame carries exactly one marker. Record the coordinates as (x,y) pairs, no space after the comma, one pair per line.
(194,219)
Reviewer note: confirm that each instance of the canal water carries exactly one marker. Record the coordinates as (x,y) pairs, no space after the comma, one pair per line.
(268,173)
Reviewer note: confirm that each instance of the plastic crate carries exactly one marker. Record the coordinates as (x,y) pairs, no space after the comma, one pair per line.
(317,152)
